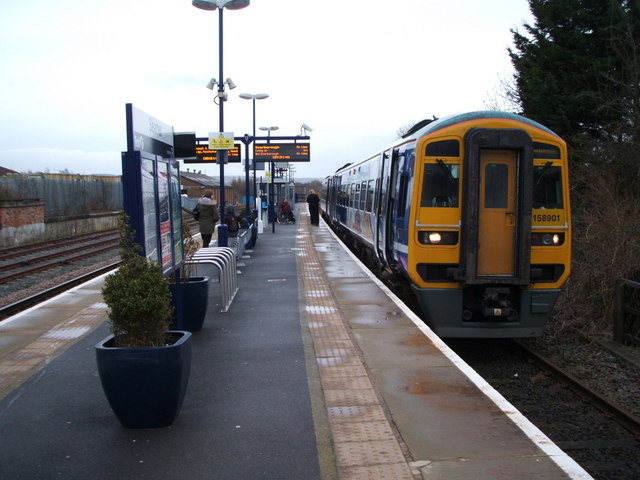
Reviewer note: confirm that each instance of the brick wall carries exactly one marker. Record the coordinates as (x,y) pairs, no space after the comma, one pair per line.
(19,213)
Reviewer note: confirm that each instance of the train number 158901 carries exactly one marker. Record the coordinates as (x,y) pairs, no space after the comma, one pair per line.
(546,218)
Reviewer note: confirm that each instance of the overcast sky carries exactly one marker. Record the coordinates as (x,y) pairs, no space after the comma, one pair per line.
(356,71)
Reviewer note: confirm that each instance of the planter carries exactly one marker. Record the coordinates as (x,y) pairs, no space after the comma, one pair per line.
(190,299)
(145,386)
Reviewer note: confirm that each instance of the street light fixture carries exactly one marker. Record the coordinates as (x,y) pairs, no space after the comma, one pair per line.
(253,98)
(214,4)
(220,5)
(268,129)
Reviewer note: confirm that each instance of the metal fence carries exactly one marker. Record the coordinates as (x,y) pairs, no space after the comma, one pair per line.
(65,195)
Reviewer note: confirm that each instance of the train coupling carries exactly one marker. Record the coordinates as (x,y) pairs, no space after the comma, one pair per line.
(497,303)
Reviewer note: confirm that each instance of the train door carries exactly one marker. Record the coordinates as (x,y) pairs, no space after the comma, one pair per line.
(497,213)
(332,197)
(392,206)
(496,218)
(382,187)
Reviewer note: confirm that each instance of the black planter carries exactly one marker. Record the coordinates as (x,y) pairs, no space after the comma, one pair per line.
(145,386)
(190,299)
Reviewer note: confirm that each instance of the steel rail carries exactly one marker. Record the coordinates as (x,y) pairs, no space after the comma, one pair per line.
(58,262)
(11,252)
(625,418)
(25,303)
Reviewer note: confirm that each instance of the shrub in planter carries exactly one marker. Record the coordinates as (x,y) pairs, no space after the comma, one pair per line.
(144,369)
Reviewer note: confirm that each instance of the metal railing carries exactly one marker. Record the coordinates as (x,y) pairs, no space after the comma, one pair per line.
(239,242)
(626,323)
(223,259)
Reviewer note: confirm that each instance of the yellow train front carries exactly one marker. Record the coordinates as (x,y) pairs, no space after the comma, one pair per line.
(472,212)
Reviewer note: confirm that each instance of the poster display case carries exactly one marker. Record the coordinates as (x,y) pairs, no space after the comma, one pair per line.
(151,183)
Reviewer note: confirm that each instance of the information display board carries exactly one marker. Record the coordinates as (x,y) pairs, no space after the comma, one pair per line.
(205,155)
(282,152)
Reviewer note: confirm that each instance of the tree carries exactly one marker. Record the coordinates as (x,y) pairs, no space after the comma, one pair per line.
(578,72)
(573,69)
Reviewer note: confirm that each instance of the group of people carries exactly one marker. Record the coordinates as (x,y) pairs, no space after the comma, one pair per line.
(313,200)
(207,214)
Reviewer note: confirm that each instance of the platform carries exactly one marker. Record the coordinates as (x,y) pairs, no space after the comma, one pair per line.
(315,372)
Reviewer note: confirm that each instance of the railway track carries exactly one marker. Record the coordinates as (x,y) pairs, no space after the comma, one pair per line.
(601,436)
(608,406)
(16,252)
(48,261)
(29,301)
(32,273)
(24,261)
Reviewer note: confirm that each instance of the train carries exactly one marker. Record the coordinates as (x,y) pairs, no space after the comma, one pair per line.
(468,217)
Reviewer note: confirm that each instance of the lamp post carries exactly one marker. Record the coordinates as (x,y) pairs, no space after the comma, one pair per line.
(253,98)
(272,210)
(220,5)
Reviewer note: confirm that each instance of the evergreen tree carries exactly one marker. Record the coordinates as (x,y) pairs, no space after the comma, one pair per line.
(578,72)
(577,66)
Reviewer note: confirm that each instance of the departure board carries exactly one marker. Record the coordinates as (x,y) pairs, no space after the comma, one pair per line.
(282,152)
(204,155)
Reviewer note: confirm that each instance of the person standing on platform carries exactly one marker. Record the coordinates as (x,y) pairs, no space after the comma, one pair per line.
(314,207)
(208,217)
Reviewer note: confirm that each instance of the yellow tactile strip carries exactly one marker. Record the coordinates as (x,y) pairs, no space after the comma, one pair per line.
(19,365)
(365,445)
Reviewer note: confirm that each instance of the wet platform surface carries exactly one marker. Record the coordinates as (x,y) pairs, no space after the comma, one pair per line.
(315,372)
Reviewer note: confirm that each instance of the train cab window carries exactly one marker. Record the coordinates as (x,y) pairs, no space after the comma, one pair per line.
(440,185)
(547,186)
(443,148)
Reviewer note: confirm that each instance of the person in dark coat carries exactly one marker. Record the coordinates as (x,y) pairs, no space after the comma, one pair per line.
(314,207)
(208,217)
(234,221)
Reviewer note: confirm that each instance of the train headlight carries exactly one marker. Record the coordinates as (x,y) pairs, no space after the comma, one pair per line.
(435,238)
(438,238)
(547,239)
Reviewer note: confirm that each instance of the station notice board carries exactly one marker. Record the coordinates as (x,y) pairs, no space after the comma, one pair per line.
(282,152)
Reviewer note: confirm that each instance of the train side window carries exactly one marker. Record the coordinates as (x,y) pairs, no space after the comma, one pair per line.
(496,188)
(547,186)
(363,195)
(369,205)
(402,191)
(440,185)
(356,196)
(343,197)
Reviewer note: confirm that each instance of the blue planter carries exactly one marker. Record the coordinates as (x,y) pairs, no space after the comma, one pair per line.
(190,299)
(145,386)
